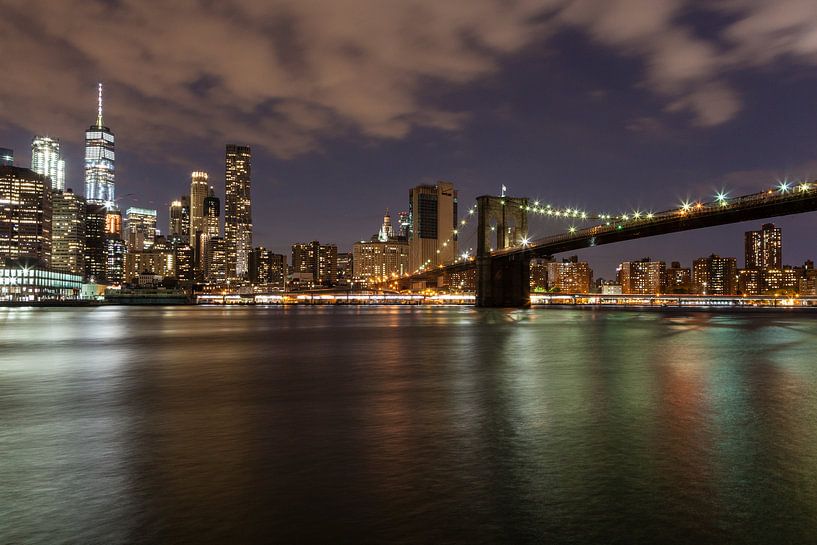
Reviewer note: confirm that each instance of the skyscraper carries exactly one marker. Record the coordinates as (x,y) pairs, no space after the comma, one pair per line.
(45,160)
(211,230)
(68,232)
(237,211)
(179,225)
(212,211)
(141,227)
(25,214)
(433,219)
(115,252)
(174,227)
(99,160)
(198,192)
(96,257)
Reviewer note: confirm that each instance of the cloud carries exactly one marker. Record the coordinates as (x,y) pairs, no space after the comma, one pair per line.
(287,74)
(280,74)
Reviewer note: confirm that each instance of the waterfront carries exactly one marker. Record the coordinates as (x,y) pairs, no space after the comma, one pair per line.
(406,424)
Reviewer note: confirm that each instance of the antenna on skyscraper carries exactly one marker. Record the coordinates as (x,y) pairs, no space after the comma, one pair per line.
(99,105)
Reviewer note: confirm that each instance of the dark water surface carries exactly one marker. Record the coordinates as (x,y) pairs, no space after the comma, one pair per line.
(406,425)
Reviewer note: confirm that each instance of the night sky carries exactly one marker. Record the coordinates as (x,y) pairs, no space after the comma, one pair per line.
(606,105)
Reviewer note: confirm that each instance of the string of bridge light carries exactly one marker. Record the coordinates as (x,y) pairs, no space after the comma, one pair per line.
(454,232)
(686,206)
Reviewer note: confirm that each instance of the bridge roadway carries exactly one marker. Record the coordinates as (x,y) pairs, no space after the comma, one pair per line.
(767,204)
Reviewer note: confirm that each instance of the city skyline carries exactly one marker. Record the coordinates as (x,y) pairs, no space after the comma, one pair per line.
(572,111)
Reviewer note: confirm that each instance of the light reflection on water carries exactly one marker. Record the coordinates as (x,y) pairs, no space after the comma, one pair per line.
(394,424)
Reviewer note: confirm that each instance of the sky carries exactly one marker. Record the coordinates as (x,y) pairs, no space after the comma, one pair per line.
(604,105)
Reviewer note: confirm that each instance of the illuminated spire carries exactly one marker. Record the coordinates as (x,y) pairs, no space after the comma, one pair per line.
(99,106)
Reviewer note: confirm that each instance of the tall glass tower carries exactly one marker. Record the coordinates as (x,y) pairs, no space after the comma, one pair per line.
(99,161)
(45,160)
(237,211)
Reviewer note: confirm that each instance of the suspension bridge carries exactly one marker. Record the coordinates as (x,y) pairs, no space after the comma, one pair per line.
(504,248)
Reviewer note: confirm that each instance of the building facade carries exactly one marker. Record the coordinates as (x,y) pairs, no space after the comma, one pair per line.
(569,276)
(100,161)
(642,277)
(384,255)
(96,257)
(237,210)
(141,228)
(318,260)
(45,160)
(679,279)
(764,248)
(715,275)
(267,269)
(25,215)
(68,232)
(199,189)
(432,225)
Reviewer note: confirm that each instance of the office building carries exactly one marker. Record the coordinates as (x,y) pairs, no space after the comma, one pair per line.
(569,276)
(68,232)
(96,255)
(185,270)
(237,210)
(159,259)
(715,275)
(216,272)
(432,225)
(115,253)
(384,255)
(99,161)
(6,157)
(45,160)
(318,260)
(642,277)
(25,215)
(140,227)
(268,269)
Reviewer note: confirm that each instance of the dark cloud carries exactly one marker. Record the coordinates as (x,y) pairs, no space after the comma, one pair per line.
(286,74)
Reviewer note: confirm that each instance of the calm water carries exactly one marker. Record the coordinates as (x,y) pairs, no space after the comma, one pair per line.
(406,425)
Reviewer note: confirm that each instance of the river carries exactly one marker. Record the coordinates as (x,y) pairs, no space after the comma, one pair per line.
(406,425)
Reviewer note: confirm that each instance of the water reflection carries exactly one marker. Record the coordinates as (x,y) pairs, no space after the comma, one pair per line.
(405,425)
